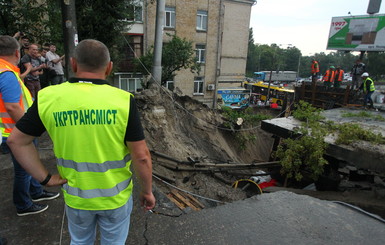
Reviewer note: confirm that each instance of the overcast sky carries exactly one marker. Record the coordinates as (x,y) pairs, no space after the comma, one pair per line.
(303,23)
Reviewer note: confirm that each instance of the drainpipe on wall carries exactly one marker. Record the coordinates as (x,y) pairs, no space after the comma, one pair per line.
(219,52)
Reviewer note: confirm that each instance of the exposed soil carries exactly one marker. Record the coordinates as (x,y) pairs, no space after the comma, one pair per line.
(187,131)
(183,129)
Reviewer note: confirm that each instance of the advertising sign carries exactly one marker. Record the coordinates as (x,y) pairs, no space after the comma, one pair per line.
(357,33)
(235,98)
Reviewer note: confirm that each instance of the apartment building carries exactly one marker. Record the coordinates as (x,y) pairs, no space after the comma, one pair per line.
(219,30)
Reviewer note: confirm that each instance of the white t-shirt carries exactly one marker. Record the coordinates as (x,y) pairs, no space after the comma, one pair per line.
(58,67)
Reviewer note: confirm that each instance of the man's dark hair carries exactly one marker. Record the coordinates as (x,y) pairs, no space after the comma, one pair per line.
(92,55)
(8,45)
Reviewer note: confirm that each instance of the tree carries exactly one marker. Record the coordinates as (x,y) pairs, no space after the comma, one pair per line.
(176,55)
(26,16)
(104,21)
(41,20)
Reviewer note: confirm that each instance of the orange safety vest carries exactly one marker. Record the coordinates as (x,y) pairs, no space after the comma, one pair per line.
(329,76)
(314,67)
(339,75)
(25,101)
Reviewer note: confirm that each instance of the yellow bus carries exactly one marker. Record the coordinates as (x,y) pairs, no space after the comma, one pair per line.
(277,93)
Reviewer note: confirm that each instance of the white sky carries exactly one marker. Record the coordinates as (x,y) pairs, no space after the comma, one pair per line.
(303,23)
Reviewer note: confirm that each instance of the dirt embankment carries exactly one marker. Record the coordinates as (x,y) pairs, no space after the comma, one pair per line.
(187,130)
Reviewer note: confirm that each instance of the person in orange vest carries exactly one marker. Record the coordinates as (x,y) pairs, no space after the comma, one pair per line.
(15,99)
(314,70)
(339,76)
(329,76)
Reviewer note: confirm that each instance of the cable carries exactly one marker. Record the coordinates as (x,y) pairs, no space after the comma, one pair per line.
(206,198)
(166,91)
(235,184)
(62,225)
(361,210)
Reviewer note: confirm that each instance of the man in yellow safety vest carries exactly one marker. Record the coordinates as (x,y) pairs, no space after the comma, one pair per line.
(97,134)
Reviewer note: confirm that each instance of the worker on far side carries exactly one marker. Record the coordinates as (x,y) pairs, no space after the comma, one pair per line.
(329,76)
(368,87)
(314,70)
(339,77)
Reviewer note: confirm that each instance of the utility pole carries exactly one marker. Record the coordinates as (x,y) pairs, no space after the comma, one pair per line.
(158,43)
(71,39)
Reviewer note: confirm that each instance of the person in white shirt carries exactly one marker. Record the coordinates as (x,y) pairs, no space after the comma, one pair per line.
(55,65)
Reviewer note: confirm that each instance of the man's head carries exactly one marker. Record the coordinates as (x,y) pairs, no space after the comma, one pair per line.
(33,50)
(332,67)
(24,41)
(52,48)
(9,49)
(44,51)
(365,75)
(91,56)
(358,61)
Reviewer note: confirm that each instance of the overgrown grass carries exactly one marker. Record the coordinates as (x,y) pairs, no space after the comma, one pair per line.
(363,114)
(351,132)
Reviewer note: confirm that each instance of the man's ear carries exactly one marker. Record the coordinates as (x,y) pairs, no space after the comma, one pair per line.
(109,68)
(17,54)
(74,65)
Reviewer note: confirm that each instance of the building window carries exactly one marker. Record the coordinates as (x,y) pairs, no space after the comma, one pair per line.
(169,20)
(130,82)
(170,85)
(132,48)
(200,53)
(198,86)
(202,20)
(135,9)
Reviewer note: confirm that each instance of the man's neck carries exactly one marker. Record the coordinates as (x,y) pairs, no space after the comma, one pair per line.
(90,75)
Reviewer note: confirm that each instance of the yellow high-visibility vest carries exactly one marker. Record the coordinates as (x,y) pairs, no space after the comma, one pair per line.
(25,101)
(87,123)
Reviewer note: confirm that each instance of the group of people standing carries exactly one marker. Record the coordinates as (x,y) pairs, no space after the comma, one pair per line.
(333,77)
(39,67)
(98,144)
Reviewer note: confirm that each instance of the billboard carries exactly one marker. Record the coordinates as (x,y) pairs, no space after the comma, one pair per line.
(357,33)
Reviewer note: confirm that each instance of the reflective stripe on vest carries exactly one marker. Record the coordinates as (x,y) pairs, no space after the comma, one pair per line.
(94,193)
(93,167)
(91,154)
(6,122)
(329,76)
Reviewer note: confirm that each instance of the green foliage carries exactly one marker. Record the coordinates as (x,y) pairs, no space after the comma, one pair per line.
(27,16)
(176,55)
(104,21)
(41,20)
(351,132)
(305,112)
(304,153)
(248,116)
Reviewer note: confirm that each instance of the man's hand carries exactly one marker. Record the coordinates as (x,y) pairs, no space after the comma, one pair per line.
(147,201)
(56,180)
